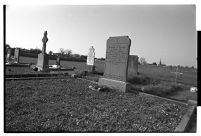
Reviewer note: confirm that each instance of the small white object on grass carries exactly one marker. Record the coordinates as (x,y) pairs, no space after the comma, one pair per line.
(73,75)
(92,88)
(193,89)
(55,66)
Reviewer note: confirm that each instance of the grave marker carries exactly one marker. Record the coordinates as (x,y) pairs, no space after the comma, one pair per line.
(58,60)
(132,66)
(16,55)
(116,63)
(8,56)
(43,64)
(90,59)
(176,74)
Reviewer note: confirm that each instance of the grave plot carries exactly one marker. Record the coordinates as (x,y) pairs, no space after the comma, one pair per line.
(69,105)
(28,72)
(18,70)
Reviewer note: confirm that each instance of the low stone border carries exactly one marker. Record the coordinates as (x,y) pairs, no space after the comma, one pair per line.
(88,80)
(155,96)
(47,77)
(183,125)
(32,75)
(186,119)
(31,78)
(61,69)
(17,65)
(192,103)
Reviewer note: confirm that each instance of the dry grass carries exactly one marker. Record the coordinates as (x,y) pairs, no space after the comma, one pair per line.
(68,105)
(188,77)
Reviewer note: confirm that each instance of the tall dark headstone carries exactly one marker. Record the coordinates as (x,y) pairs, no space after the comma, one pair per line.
(8,56)
(116,63)
(58,60)
(132,66)
(43,64)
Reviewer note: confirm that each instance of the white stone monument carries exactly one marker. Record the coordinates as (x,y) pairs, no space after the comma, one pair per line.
(90,59)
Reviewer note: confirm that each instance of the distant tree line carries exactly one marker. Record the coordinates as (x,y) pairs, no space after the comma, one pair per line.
(63,54)
(69,56)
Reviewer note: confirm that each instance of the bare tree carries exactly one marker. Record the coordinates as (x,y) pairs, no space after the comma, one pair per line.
(143,61)
(61,51)
(7,46)
(50,53)
(68,52)
(76,55)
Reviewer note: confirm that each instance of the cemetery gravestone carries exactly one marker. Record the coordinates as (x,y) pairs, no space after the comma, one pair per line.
(58,61)
(43,64)
(176,74)
(8,56)
(16,55)
(132,66)
(90,59)
(116,64)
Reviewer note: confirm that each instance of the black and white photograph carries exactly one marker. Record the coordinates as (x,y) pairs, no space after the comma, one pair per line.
(100,68)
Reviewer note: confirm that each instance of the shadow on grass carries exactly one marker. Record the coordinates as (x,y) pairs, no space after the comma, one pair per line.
(156,87)
(143,80)
(163,89)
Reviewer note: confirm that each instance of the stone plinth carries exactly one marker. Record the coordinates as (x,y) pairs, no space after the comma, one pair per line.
(91,68)
(43,64)
(115,84)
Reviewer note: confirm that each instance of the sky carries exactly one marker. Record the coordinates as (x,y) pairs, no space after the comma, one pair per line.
(166,32)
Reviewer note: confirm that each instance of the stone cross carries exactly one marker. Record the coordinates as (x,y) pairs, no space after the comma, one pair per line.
(176,74)
(91,56)
(43,60)
(44,40)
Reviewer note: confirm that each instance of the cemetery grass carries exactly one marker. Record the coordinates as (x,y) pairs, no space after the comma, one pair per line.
(189,76)
(180,92)
(156,80)
(68,105)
